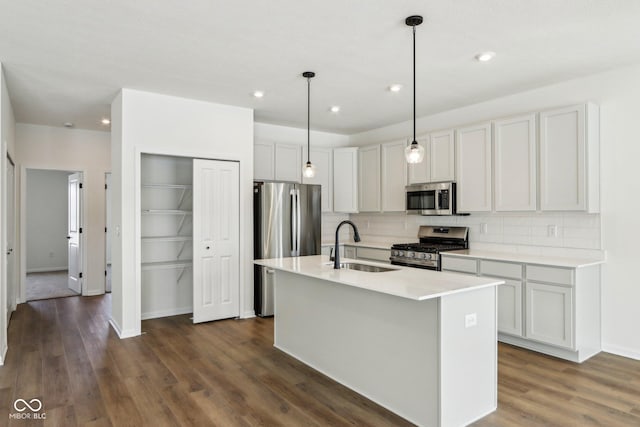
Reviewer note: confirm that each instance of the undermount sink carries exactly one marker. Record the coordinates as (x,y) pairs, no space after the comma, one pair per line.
(365,267)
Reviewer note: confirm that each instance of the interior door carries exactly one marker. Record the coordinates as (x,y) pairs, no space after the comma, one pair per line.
(10,206)
(216,240)
(74,232)
(107,272)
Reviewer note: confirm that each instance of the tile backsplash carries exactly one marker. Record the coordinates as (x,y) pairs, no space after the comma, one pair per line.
(562,233)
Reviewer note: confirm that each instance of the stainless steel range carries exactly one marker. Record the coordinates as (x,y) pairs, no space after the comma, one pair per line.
(433,240)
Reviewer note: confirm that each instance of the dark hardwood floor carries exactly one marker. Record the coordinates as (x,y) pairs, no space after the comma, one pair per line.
(227,373)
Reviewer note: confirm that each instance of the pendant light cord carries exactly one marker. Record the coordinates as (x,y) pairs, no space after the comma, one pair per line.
(308,119)
(414,85)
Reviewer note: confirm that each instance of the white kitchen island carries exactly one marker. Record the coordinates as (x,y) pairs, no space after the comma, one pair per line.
(420,343)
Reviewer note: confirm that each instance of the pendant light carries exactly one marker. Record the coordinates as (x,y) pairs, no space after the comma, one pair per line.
(309,170)
(414,153)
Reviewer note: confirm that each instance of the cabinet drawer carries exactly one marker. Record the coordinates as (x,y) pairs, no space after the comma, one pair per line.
(373,254)
(562,276)
(463,265)
(501,269)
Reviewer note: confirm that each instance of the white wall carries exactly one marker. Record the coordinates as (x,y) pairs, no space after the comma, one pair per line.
(264,132)
(617,92)
(47,215)
(45,147)
(7,147)
(145,122)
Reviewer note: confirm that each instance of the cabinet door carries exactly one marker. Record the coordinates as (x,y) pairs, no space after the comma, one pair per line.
(345,178)
(514,162)
(369,178)
(473,168)
(288,163)
(373,254)
(510,307)
(549,314)
(263,169)
(350,252)
(442,156)
(419,173)
(394,176)
(322,158)
(563,159)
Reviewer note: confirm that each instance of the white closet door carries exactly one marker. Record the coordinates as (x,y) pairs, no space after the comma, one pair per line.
(216,240)
(74,232)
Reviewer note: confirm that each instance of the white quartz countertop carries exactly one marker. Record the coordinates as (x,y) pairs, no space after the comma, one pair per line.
(406,282)
(525,259)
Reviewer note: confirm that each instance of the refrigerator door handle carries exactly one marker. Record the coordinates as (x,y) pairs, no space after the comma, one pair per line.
(294,225)
(298,222)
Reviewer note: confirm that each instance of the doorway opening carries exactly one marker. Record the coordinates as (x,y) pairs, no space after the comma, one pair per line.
(53,234)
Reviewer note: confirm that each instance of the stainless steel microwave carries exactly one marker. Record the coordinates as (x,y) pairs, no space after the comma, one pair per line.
(436,198)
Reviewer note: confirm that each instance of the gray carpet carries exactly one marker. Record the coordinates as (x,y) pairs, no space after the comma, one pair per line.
(50,284)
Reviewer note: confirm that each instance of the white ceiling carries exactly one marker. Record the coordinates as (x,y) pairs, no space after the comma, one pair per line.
(66,60)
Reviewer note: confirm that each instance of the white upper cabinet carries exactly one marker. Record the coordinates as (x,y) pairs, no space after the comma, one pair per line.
(514,163)
(288,165)
(419,173)
(345,179)
(322,158)
(439,159)
(277,162)
(369,178)
(442,156)
(569,159)
(473,168)
(265,167)
(394,176)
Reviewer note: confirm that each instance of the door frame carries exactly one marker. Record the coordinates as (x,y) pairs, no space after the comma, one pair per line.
(23,228)
(11,281)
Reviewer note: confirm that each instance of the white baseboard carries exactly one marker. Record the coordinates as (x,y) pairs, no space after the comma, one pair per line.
(122,334)
(248,314)
(93,293)
(166,313)
(621,351)
(46,269)
(3,355)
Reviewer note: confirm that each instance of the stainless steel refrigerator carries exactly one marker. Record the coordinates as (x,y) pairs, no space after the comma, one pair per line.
(286,223)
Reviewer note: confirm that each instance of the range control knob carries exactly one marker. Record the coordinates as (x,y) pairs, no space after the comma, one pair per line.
(411,254)
(400,253)
(423,256)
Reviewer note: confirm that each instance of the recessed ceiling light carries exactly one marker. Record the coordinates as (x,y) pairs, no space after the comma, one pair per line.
(485,56)
(395,87)
(68,124)
(335,109)
(258,94)
(105,121)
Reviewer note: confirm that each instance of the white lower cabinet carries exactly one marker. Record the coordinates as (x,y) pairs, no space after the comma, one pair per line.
(510,307)
(373,254)
(549,312)
(549,309)
(350,252)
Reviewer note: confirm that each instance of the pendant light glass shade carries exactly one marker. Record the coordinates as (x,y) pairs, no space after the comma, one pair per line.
(308,170)
(414,153)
